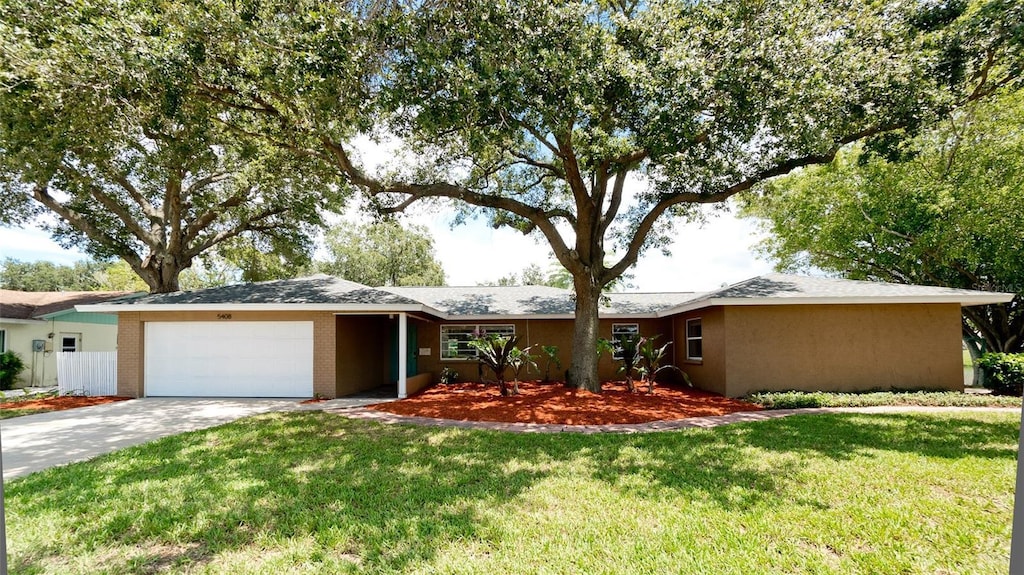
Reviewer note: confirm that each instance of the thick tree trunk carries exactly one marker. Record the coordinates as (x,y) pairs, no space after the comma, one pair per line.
(583,371)
(161,273)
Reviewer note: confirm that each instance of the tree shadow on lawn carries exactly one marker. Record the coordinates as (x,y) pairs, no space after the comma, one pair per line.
(394,495)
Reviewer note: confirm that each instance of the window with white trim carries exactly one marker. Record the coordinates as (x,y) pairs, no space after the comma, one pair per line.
(455,338)
(694,340)
(3,340)
(621,331)
(70,341)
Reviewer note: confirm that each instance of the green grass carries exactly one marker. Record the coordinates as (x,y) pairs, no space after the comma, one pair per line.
(804,399)
(316,493)
(9,413)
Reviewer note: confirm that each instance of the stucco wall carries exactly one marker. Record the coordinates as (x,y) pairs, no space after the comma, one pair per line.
(709,372)
(94,337)
(842,347)
(131,344)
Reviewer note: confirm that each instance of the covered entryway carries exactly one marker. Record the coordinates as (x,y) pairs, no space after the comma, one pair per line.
(229,359)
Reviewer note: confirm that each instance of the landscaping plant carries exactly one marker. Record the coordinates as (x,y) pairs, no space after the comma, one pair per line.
(11,366)
(628,349)
(650,360)
(550,357)
(519,359)
(449,375)
(1004,372)
(494,352)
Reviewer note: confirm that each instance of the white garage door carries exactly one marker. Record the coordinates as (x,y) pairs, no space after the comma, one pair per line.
(229,359)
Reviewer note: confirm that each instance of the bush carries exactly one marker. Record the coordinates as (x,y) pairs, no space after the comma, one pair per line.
(803,399)
(11,366)
(1004,372)
(449,375)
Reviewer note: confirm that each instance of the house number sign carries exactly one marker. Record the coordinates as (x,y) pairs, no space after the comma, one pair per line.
(223,316)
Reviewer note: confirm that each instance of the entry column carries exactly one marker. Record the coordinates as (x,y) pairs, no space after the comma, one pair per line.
(403,353)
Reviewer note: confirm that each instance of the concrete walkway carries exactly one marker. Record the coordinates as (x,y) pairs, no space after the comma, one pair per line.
(690,422)
(35,442)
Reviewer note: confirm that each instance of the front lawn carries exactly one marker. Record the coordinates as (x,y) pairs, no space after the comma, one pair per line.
(317,493)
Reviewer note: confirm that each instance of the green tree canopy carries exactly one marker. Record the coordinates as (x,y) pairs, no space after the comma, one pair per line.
(947,210)
(48,276)
(107,143)
(540,113)
(383,254)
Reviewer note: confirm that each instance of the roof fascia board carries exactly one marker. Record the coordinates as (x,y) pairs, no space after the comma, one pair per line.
(964,300)
(531,317)
(118,308)
(12,320)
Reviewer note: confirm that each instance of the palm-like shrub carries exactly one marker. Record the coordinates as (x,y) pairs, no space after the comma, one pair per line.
(518,360)
(650,360)
(628,350)
(551,357)
(494,351)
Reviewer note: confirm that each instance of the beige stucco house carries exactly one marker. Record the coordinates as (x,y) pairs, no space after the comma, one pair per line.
(36,325)
(323,336)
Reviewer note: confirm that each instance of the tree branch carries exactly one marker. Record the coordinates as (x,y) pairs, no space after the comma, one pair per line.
(108,202)
(249,224)
(782,168)
(42,195)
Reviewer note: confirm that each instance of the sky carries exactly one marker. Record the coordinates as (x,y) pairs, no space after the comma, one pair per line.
(703,257)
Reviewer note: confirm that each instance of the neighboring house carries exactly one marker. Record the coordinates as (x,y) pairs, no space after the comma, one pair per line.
(37,324)
(330,337)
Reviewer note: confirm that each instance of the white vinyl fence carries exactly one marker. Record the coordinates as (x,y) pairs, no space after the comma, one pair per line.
(87,372)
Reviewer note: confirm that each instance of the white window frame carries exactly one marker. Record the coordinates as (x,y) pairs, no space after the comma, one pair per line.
(620,330)
(3,341)
(463,351)
(692,338)
(78,342)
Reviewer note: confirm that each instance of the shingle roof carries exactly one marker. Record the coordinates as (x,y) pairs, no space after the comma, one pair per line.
(787,288)
(491,300)
(644,303)
(795,286)
(481,301)
(318,289)
(31,305)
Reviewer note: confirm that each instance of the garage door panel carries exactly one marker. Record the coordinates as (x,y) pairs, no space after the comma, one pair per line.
(229,359)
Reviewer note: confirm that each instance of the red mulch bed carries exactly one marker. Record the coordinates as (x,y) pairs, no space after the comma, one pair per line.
(60,402)
(555,403)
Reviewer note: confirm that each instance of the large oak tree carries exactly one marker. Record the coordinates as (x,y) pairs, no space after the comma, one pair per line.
(106,142)
(598,124)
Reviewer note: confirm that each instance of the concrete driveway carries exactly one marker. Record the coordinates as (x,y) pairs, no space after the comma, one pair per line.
(35,442)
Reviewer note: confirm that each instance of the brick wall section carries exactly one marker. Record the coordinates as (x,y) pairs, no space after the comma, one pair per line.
(129,354)
(325,363)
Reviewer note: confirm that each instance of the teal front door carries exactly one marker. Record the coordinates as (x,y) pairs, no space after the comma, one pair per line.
(411,368)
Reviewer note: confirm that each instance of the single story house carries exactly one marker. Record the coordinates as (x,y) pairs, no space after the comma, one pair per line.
(328,337)
(36,324)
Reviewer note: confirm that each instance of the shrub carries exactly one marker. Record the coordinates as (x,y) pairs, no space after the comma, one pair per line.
(449,375)
(551,358)
(494,352)
(803,399)
(1004,372)
(11,366)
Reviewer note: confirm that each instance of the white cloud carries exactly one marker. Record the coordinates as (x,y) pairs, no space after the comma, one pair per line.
(31,244)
